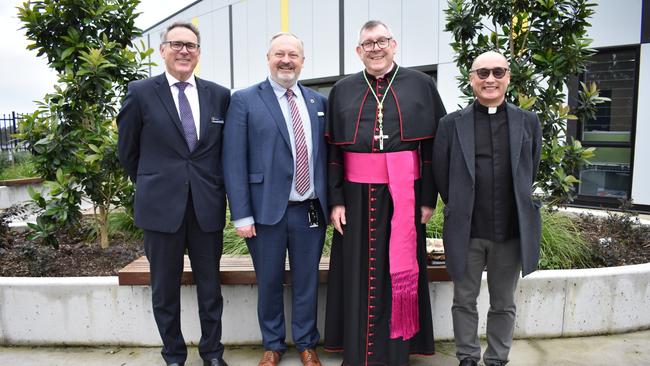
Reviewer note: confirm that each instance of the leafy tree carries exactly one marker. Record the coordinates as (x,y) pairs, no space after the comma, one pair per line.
(546,43)
(72,135)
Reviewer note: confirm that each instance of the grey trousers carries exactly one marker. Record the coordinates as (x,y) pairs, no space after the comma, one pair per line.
(503,269)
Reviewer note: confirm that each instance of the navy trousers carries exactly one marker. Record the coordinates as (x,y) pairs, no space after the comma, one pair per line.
(165,253)
(268,250)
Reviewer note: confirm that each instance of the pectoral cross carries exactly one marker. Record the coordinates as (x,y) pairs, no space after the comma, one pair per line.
(381,137)
(380,121)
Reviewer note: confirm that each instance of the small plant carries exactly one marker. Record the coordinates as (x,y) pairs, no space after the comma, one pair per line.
(563,246)
(61,211)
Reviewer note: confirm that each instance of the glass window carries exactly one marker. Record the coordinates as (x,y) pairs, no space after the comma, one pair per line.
(611,132)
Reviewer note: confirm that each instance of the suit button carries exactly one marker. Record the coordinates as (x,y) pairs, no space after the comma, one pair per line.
(187,182)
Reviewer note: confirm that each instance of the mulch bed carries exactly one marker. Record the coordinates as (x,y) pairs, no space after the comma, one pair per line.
(617,239)
(21,257)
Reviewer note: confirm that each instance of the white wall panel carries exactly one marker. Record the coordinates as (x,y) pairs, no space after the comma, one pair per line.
(239,44)
(316,22)
(356,13)
(215,47)
(616,23)
(641,172)
(419,39)
(445,52)
(448,86)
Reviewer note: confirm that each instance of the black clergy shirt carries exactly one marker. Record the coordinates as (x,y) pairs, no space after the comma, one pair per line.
(494,216)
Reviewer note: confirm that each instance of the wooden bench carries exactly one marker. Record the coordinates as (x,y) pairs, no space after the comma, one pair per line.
(236,270)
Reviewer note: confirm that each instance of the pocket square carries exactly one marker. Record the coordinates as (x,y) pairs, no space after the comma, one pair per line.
(320,114)
(216,120)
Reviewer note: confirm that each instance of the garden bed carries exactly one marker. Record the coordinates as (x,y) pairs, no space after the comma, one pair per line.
(615,240)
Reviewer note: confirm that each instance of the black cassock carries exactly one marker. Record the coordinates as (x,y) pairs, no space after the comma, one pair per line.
(359,285)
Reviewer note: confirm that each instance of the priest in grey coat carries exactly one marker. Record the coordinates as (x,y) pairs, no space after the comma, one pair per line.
(486,158)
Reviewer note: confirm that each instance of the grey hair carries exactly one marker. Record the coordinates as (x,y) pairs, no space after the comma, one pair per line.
(187,25)
(372,24)
(281,34)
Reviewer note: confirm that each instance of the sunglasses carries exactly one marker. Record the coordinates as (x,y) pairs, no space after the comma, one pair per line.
(483,73)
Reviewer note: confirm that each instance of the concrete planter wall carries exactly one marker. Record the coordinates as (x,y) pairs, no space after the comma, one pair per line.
(96,311)
(15,190)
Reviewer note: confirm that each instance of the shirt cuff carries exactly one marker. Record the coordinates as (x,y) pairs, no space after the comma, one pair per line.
(244,222)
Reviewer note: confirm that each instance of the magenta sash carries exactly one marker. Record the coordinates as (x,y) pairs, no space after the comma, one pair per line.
(399,170)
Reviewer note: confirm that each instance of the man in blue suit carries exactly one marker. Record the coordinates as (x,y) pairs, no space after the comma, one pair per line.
(170,132)
(274,168)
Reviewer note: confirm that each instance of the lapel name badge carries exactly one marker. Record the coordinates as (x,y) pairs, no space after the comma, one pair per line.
(320,114)
(216,120)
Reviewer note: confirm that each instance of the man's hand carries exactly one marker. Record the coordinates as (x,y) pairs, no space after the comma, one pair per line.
(246,232)
(338,217)
(427,213)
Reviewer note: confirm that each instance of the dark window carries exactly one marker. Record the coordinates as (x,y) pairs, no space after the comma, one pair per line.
(608,177)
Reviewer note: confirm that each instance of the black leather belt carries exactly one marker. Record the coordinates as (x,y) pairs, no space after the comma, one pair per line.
(294,203)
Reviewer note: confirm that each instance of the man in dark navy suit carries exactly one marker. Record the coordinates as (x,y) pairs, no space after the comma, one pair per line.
(170,132)
(274,168)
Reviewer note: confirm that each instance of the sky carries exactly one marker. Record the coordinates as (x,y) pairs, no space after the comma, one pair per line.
(27,77)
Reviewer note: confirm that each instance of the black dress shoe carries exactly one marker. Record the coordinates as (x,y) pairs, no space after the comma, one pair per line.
(215,362)
(468,362)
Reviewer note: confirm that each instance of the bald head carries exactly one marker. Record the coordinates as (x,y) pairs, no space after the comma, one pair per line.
(491,57)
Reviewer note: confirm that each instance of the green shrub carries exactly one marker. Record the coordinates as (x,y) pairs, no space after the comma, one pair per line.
(563,245)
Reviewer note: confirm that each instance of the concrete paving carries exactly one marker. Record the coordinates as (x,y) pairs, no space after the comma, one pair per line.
(618,349)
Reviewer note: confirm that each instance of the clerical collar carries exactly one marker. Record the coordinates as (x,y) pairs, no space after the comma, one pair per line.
(387,75)
(489,110)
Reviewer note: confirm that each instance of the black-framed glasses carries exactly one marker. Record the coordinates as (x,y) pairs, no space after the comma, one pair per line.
(178,45)
(484,73)
(381,43)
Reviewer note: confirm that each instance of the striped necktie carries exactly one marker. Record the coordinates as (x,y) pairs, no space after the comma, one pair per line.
(302,158)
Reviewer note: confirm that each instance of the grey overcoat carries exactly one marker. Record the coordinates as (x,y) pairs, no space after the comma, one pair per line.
(454,171)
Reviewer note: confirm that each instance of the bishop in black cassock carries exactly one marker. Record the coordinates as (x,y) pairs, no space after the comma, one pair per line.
(359,318)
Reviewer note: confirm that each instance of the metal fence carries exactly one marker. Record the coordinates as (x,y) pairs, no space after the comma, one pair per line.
(8,127)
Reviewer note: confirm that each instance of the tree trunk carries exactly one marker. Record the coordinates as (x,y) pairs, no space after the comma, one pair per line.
(102,220)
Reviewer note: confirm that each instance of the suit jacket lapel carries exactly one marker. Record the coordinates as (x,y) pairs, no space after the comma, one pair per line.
(465,131)
(165,95)
(515,128)
(271,101)
(204,100)
(310,101)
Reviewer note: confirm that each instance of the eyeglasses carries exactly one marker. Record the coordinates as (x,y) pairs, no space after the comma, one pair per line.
(178,45)
(483,73)
(370,45)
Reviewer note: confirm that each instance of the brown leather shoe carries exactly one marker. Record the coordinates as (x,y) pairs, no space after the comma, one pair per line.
(309,357)
(270,358)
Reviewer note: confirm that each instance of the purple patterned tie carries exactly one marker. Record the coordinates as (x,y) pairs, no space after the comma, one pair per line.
(302,159)
(187,120)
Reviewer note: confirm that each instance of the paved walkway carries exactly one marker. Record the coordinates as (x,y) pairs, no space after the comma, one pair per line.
(620,349)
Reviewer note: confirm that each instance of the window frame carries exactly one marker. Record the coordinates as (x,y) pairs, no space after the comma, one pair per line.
(575,131)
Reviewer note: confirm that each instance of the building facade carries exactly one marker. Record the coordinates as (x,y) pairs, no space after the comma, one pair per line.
(235,34)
